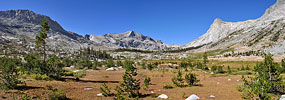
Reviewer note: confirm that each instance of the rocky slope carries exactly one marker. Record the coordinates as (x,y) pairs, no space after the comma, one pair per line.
(128,39)
(265,33)
(25,24)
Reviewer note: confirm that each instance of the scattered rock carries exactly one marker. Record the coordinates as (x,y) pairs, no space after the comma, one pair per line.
(238,80)
(282,97)
(212,96)
(112,69)
(192,97)
(212,73)
(76,71)
(100,95)
(152,92)
(229,79)
(87,88)
(71,66)
(163,96)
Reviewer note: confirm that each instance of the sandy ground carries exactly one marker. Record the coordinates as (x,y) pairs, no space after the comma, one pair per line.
(222,87)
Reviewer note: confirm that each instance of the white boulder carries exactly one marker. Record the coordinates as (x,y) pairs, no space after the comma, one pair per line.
(163,96)
(192,97)
(112,69)
(282,97)
(100,95)
(212,96)
(76,71)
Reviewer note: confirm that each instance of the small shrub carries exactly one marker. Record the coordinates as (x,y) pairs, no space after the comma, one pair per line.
(242,67)
(229,70)
(26,97)
(56,94)
(247,68)
(39,77)
(9,74)
(146,82)
(119,95)
(79,74)
(178,80)
(167,86)
(149,67)
(183,95)
(214,68)
(191,79)
(106,76)
(220,69)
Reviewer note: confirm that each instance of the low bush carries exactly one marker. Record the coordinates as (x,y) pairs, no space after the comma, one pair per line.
(9,74)
(168,86)
(79,74)
(191,79)
(40,77)
(56,94)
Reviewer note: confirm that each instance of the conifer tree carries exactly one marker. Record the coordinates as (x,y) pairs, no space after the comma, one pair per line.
(130,85)
(146,82)
(106,90)
(178,80)
(40,39)
(265,81)
(229,70)
(9,74)
(191,79)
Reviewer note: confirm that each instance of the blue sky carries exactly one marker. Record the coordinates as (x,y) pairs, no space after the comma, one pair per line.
(172,21)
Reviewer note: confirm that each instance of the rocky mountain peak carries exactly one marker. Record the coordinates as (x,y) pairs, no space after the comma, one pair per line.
(280,2)
(275,11)
(218,21)
(131,33)
(250,34)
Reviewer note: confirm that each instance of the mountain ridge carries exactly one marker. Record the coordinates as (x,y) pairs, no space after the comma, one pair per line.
(27,23)
(249,34)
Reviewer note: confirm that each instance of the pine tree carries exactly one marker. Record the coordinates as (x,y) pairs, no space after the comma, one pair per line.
(110,63)
(242,67)
(247,67)
(205,59)
(40,39)
(178,80)
(191,79)
(283,65)
(229,70)
(130,85)
(146,82)
(9,74)
(106,90)
(119,95)
(54,67)
(266,80)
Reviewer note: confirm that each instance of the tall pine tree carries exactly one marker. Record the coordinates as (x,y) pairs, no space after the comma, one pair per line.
(40,39)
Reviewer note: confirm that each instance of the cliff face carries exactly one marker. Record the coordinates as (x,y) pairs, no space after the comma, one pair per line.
(250,34)
(128,39)
(26,24)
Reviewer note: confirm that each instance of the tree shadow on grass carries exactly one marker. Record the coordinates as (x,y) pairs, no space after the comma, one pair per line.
(89,81)
(27,87)
(154,95)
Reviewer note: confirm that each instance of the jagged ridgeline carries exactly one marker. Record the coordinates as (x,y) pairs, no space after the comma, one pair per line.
(265,33)
(24,25)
